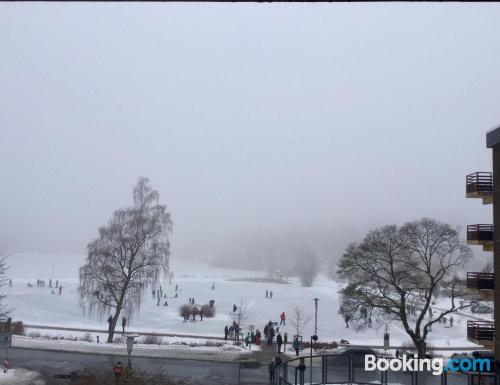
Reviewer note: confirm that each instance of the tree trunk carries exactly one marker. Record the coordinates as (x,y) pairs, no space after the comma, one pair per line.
(112,326)
(421,346)
(111,331)
(118,310)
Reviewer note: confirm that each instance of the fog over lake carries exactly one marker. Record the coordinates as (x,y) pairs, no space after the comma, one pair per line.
(266,128)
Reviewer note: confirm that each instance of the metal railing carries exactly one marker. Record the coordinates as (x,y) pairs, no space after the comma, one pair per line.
(345,369)
(480,281)
(481,330)
(479,182)
(480,232)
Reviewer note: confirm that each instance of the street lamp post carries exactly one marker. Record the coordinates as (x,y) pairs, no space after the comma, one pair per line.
(313,338)
(316,316)
(130,346)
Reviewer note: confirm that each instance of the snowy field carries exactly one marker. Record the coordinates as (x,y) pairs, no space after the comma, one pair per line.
(39,306)
(20,377)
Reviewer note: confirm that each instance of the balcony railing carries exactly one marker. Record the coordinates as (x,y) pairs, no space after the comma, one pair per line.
(344,369)
(481,332)
(481,234)
(480,281)
(479,185)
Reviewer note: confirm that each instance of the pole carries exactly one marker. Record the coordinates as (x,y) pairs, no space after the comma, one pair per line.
(386,340)
(315,321)
(311,363)
(316,316)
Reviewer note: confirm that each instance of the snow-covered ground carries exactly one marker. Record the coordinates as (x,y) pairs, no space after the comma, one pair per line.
(173,349)
(20,377)
(39,306)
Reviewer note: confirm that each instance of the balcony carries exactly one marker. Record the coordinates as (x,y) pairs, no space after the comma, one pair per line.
(480,235)
(482,284)
(479,185)
(481,332)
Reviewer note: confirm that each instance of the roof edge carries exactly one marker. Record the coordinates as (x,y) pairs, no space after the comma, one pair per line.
(493,137)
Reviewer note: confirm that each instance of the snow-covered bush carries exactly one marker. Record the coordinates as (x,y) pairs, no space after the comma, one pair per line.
(185,310)
(87,338)
(208,311)
(120,340)
(152,340)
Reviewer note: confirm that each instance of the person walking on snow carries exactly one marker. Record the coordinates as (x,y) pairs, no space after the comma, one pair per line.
(270,295)
(282,317)
(226,332)
(267,293)
(258,337)
(285,340)
(347,318)
(279,341)
(296,345)
(124,322)
(272,369)
(451,322)
(118,372)
(60,289)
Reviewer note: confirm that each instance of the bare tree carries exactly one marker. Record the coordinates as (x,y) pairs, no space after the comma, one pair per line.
(395,274)
(240,315)
(131,252)
(4,310)
(299,319)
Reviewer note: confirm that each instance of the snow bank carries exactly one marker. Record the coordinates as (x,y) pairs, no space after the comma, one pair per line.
(20,376)
(177,350)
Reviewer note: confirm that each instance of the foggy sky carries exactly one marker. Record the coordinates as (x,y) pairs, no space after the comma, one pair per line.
(249,119)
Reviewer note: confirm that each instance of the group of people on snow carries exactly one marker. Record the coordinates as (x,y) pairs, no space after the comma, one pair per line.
(41,283)
(277,361)
(124,322)
(232,331)
(347,315)
(159,295)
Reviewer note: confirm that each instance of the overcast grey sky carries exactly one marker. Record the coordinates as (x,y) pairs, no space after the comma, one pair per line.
(248,118)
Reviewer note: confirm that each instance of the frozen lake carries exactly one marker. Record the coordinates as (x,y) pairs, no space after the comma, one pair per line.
(39,306)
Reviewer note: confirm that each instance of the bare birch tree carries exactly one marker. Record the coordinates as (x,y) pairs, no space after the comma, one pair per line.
(132,252)
(241,314)
(4,309)
(395,274)
(299,319)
